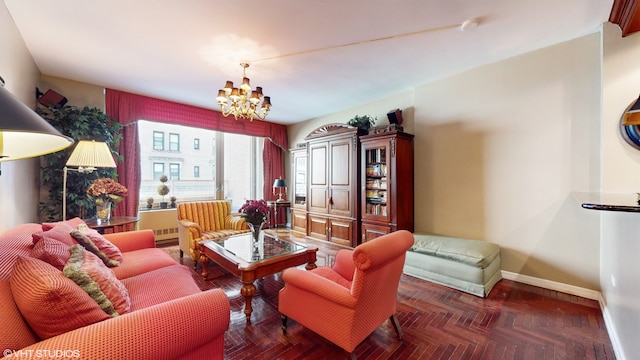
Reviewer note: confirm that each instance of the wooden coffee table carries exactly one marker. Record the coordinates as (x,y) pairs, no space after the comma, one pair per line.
(238,255)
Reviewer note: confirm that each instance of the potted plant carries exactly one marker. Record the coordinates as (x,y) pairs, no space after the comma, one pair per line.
(364,122)
(80,124)
(163,190)
(149,202)
(173,201)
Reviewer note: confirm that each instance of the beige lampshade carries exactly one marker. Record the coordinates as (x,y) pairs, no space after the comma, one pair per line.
(23,133)
(91,154)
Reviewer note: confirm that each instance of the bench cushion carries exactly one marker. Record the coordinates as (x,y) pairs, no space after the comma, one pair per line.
(473,252)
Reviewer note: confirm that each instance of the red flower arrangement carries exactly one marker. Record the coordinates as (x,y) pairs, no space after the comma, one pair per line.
(105,190)
(255,211)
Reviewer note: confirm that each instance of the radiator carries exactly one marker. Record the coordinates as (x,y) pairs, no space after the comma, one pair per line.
(163,222)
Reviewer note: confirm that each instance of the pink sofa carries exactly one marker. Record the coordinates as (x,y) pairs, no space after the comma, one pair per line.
(169,317)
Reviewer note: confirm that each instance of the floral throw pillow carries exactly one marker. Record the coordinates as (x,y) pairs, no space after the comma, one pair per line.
(97,244)
(90,273)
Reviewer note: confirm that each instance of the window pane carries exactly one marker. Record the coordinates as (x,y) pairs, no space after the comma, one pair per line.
(158,140)
(241,182)
(196,144)
(174,171)
(174,142)
(158,170)
(240,178)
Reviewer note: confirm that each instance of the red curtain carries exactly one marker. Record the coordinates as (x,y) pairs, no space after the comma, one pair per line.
(127,108)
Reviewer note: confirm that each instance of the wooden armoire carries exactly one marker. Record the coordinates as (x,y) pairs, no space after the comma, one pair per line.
(352,186)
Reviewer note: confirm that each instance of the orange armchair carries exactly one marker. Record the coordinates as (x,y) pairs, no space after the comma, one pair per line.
(347,302)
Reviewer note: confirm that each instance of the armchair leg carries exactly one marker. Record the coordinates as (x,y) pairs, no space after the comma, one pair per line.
(284,323)
(181,254)
(396,325)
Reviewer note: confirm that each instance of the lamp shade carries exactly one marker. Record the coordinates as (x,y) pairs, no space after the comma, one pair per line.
(280,183)
(25,134)
(91,154)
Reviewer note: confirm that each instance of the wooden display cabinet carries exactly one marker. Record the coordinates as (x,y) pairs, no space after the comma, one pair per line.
(387,183)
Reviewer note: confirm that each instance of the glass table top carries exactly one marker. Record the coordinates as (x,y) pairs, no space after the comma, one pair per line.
(245,248)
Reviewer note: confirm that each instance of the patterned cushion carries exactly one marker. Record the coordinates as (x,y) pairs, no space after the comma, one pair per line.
(71,222)
(60,232)
(97,244)
(210,215)
(52,252)
(90,273)
(51,303)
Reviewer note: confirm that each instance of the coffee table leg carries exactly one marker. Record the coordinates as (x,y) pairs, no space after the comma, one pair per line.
(311,265)
(204,259)
(247,291)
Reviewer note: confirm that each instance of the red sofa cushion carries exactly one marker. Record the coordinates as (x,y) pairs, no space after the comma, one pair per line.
(51,303)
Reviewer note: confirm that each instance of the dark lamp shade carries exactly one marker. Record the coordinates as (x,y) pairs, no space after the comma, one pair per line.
(25,134)
(280,183)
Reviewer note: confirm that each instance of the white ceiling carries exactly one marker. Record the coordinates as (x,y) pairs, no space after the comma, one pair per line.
(185,50)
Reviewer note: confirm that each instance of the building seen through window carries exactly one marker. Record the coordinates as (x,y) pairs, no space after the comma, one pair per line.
(233,170)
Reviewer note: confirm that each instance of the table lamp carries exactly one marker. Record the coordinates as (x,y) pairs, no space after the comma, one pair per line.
(87,156)
(278,185)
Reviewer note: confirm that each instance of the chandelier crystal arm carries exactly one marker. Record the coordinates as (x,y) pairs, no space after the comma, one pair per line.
(243,102)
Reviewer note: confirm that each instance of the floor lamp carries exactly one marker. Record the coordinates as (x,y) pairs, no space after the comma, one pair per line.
(87,156)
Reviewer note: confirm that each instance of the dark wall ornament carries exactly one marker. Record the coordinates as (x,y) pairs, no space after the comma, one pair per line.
(630,124)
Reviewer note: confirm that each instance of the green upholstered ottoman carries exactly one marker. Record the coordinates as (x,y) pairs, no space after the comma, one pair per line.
(472,266)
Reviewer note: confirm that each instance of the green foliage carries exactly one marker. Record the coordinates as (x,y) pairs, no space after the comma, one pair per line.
(80,124)
(163,190)
(363,122)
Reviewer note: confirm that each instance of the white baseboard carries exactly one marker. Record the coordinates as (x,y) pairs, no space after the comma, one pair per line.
(577,291)
(552,285)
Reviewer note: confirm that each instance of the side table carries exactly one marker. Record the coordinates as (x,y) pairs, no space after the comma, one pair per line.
(279,207)
(111,224)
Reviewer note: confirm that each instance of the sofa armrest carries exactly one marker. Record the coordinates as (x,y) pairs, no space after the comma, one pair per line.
(318,285)
(235,221)
(192,228)
(164,331)
(132,240)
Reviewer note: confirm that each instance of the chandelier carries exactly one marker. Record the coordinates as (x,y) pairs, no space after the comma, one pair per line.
(243,102)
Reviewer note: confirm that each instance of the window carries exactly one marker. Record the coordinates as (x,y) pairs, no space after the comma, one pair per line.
(174,171)
(158,170)
(174,142)
(196,144)
(232,171)
(158,140)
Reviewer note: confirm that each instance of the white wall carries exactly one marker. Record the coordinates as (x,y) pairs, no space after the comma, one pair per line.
(500,149)
(19,180)
(498,152)
(620,268)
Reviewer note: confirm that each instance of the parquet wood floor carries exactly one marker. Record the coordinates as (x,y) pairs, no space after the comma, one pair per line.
(516,321)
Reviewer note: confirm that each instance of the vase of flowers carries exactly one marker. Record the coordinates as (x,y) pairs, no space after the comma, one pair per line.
(105,191)
(255,214)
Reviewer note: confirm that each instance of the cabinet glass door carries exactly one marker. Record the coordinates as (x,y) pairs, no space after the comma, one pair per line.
(300,191)
(376,181)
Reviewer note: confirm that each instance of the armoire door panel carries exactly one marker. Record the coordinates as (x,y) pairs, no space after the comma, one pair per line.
(341,203)
(341,231)
(340,170)
(318,200)
(318,166)
(317,227)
